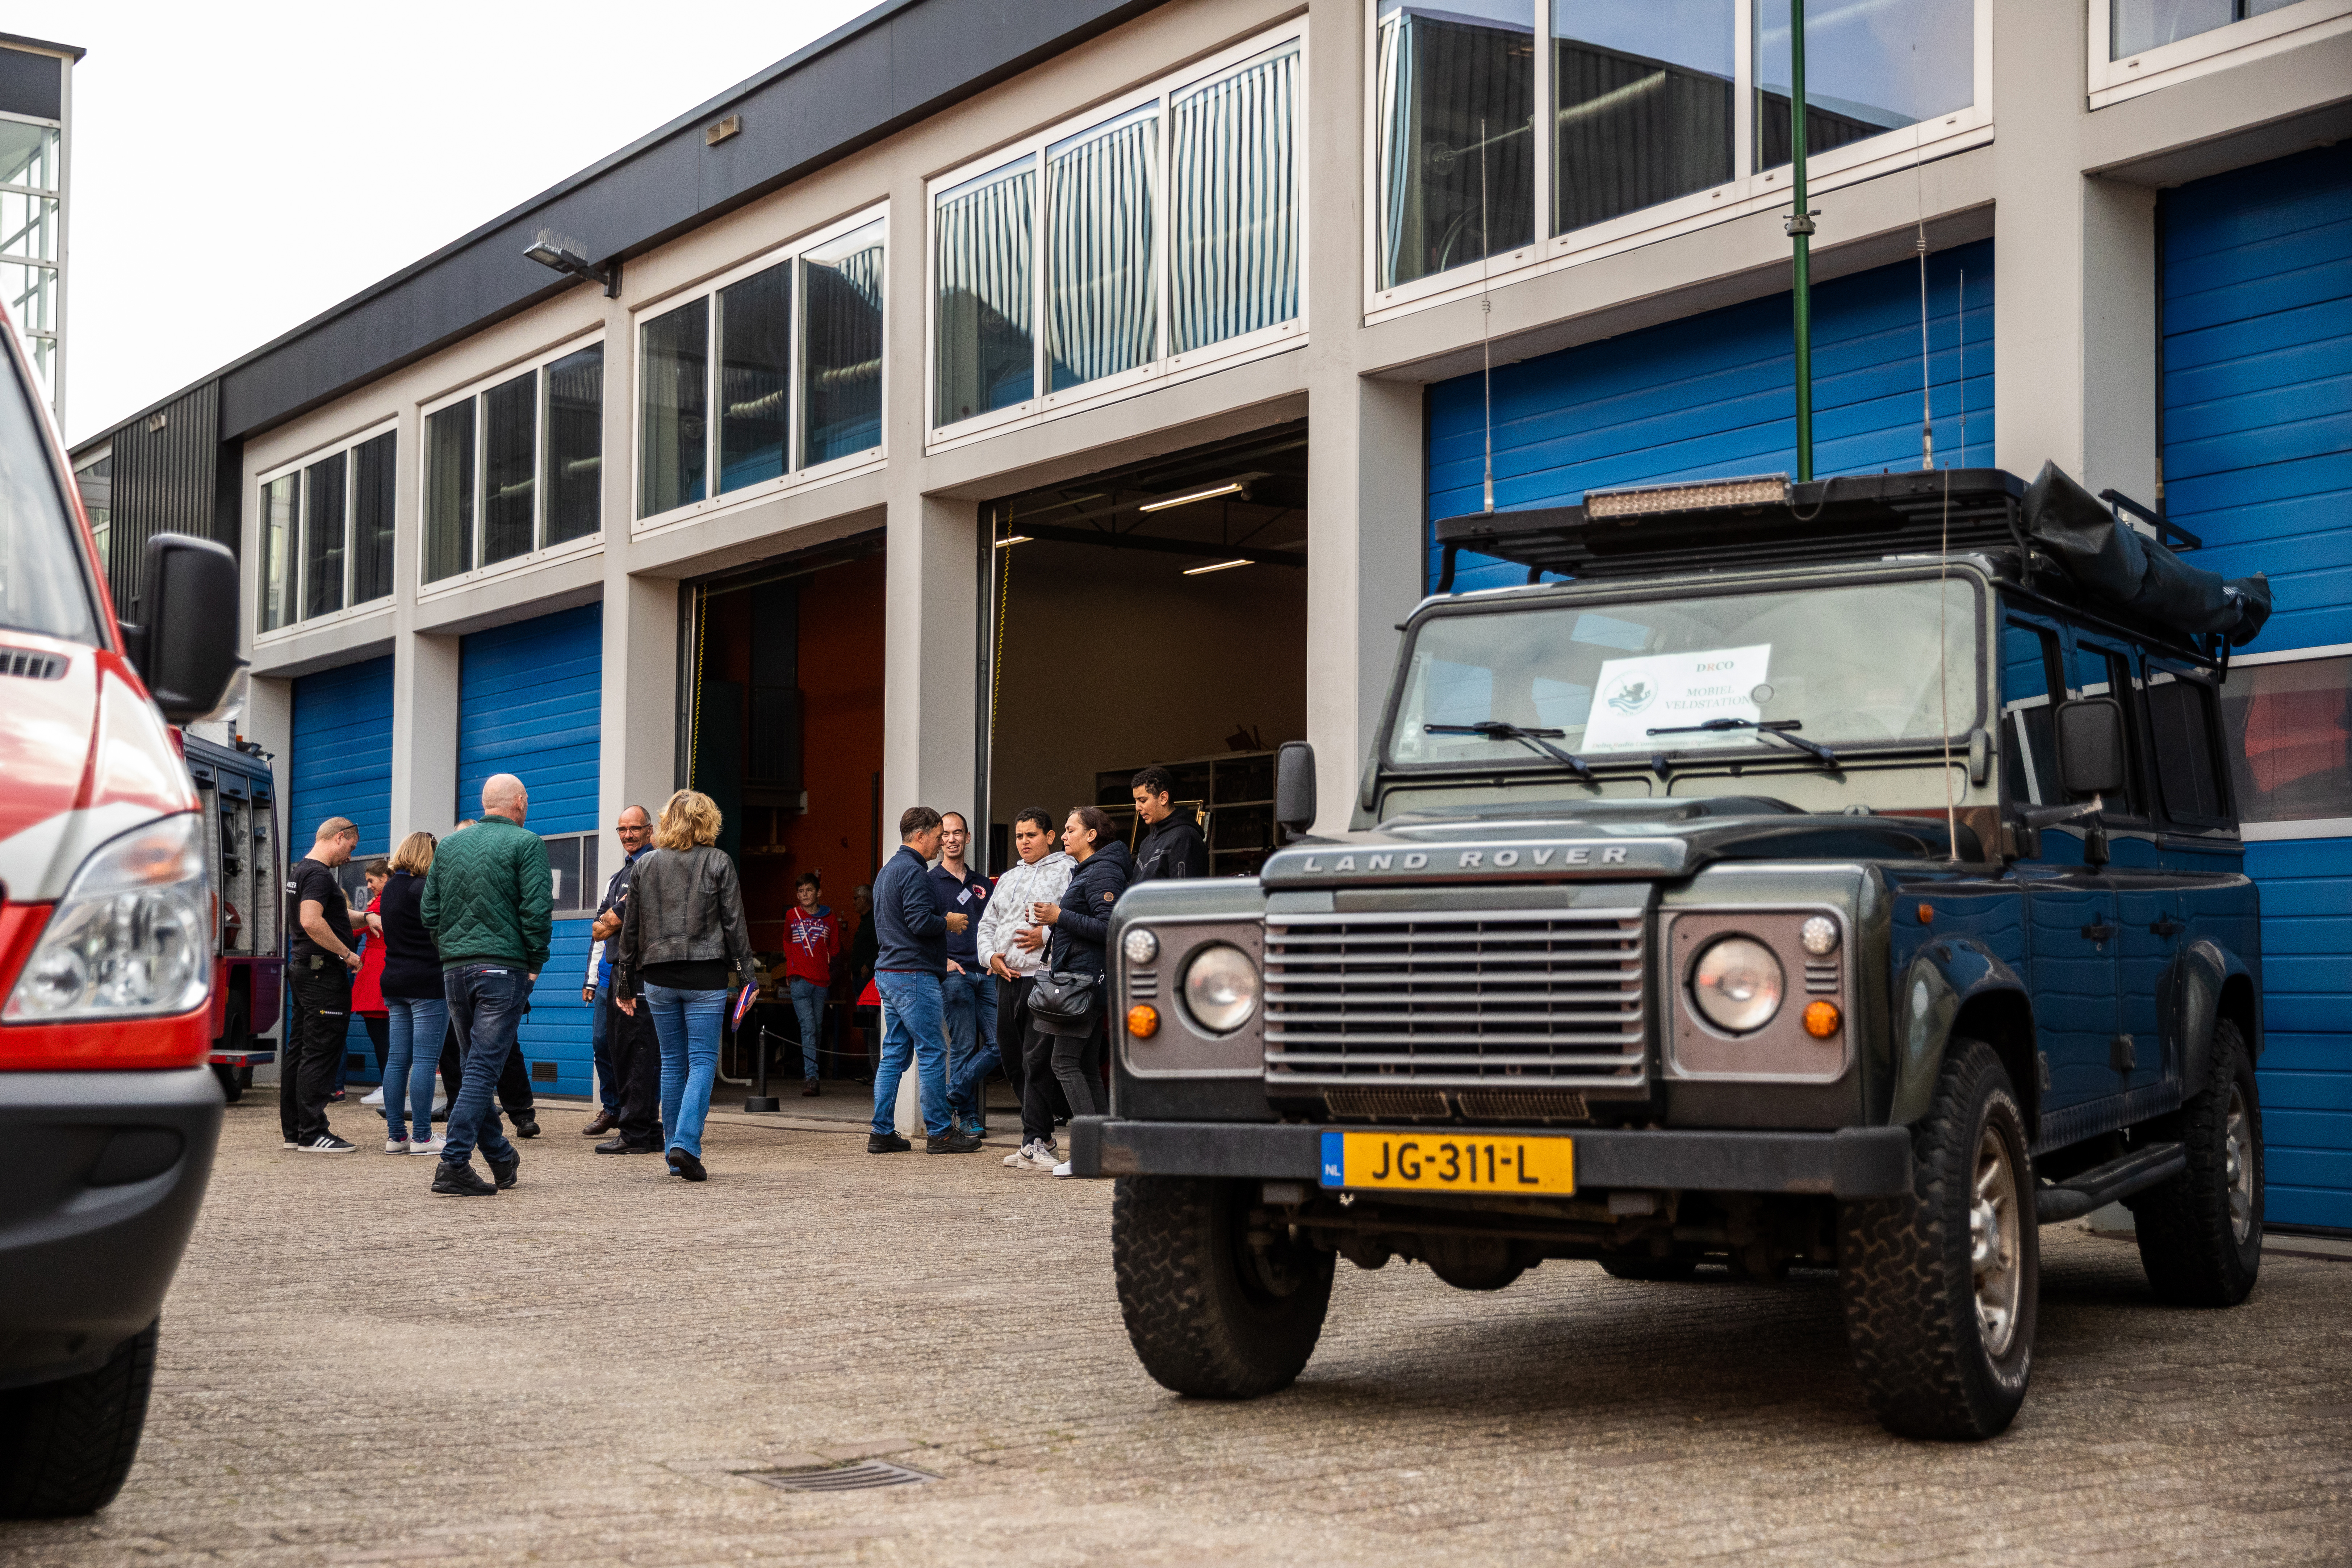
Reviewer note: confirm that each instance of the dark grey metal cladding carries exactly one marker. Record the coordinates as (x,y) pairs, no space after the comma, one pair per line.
(165,481)
(1393,859)
(31,83)
(868,79)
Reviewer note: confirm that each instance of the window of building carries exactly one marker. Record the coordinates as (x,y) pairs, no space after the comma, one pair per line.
(1668,112)
(326,533)
(718,373)
(1158,232)
(516,465)
(572,874)
(2289,722)
(2137,46)
(32,231)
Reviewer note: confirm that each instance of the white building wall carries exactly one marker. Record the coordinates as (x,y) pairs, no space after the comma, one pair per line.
(2066,192)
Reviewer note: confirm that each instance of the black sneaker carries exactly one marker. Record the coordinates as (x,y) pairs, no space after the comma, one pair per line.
(328,1143)
(504,1171)
(460,1180)
(526,1125)
(686,1165)
(886,1143)
(952,1143)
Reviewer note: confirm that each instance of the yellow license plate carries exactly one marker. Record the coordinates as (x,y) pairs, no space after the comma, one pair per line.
(1449,1162)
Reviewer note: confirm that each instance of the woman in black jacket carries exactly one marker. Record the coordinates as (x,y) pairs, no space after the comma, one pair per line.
(1080,924)
(416,1011)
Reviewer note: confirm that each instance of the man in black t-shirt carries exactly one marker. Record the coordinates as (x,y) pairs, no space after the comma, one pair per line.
(319,962)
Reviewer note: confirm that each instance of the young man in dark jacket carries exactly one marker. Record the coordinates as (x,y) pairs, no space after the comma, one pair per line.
(490,906)
(1172,843)
(912,932)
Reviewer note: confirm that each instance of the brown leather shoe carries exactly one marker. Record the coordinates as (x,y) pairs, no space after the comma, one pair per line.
(604,1122)
(808,1089)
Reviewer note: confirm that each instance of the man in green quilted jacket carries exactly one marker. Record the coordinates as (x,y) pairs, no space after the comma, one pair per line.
(488,904)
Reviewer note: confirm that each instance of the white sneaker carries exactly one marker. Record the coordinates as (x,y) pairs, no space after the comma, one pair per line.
(1062,1169)
(375,1098)
(395,1145)
(427,1145)
(1040,1157)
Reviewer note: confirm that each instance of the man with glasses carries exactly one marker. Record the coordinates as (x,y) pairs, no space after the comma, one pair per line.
(968,994)
(628,1057)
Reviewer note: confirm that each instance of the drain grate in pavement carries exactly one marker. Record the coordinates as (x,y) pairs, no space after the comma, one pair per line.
(843,1477)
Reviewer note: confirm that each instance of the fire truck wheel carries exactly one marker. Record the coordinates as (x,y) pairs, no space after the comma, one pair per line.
(1220,1301)
(65,1446)
(232,1082)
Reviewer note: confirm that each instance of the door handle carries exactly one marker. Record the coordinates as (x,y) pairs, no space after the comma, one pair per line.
(2168,926)
(2098,931)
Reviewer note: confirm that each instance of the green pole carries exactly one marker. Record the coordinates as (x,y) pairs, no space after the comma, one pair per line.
(1800,236)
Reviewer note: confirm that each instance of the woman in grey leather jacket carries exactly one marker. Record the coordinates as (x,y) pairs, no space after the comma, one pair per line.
(681,936)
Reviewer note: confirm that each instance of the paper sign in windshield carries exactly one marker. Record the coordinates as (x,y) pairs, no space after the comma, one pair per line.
(1663,690)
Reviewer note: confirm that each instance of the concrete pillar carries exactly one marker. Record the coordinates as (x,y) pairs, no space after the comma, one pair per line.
(930,711)
(638,761)
(424,735)
(2075,315)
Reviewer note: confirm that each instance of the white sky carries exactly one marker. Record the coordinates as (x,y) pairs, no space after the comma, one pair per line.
(240,166)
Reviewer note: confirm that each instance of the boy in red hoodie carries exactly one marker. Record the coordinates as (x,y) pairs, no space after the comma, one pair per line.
(812,940)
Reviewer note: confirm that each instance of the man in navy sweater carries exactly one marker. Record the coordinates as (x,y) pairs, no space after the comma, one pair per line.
(912,931)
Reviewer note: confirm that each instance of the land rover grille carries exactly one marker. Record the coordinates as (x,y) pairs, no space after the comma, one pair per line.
(1475,1000)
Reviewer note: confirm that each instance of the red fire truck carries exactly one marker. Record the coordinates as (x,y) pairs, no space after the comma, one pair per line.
(241,843)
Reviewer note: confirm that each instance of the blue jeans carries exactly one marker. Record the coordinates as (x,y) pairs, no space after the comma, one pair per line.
(601,1050)
(414,1028)
(808,1004)
(912,1002)
(486,1004)
(971,1007)
(687,1024)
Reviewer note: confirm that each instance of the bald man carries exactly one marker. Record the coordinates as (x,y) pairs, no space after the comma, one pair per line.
(488,904)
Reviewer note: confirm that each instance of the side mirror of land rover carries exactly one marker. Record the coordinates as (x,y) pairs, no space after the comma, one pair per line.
(1294,787)
(2091,746)
(186,648)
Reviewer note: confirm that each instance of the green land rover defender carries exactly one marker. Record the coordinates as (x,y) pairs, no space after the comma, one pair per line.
(1840,875)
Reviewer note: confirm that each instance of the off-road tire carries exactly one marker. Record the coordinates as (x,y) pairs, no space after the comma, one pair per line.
(1642,1265)
(1904,1268)
(65,1446)
(1203,1319)
(2187,1245)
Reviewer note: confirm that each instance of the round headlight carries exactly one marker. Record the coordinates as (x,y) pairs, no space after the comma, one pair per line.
(1221,988)
(1141,946)
(1737,983)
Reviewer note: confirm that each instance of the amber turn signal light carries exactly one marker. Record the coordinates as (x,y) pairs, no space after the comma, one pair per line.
(1821,1020)
(1143,1020)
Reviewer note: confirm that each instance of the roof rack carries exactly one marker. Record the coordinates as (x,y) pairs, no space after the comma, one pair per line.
(1736,524)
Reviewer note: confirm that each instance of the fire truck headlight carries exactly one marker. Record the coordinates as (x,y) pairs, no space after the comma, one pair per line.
(130,938)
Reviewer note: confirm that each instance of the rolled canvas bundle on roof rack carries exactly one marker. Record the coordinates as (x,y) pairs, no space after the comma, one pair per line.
(2053,528)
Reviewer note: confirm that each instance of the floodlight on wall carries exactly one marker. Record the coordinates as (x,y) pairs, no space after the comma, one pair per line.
(1216,566)
(1164,502)
(553,251)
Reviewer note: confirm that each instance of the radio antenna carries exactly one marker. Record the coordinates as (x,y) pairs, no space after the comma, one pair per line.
(1487,311)
(1919,218)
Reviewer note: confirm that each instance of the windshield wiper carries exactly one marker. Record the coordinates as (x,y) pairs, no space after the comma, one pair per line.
(1501,730)
(1777,728)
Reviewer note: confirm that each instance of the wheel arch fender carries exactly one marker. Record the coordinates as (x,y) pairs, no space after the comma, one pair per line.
(2213,983)
(1956,987)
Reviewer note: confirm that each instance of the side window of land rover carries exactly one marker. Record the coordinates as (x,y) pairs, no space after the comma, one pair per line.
(2098,670)
(2183,727)
(2029,746)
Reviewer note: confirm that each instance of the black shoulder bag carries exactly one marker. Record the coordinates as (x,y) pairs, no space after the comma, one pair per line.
(1066,1003)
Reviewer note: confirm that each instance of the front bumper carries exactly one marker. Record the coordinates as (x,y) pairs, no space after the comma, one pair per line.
(101,1177)
(1852,1162)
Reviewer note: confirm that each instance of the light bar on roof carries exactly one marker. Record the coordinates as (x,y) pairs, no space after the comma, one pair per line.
(1692,495)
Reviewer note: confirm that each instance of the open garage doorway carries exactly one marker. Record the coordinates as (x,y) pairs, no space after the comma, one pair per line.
(1152,613)
(779,722)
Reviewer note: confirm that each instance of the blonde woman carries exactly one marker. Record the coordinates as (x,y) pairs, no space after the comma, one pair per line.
(681,936)
(416,1012)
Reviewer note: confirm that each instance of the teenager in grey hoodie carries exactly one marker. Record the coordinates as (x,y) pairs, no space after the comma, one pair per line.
(1040,877)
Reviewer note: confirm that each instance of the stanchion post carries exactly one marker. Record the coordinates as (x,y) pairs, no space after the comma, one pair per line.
(760,1099)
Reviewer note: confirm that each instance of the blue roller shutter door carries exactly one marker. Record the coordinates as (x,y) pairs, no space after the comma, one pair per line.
(1712,396)
(342,766)
(529,702)
(2258,462)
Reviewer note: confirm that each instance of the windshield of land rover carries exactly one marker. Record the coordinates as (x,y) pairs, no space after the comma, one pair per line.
(1837,665)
